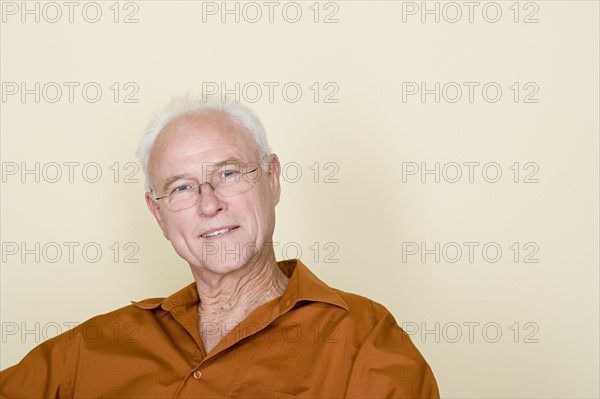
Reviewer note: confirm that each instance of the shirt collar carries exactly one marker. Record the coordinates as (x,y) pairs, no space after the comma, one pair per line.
(303,286)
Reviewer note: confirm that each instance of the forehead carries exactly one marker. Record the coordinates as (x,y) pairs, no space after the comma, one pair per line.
(188,142)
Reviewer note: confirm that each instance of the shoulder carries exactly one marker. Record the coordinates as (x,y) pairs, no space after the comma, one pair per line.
(147,309)
(386,362)
(369,321)
(139,320)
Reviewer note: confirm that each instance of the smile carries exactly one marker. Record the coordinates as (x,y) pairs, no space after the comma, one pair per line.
(219,232)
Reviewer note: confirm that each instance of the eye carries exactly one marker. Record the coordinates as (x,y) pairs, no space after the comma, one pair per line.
(228,176)
(181,189)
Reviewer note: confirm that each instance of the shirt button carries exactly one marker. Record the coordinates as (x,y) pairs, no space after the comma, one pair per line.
(197,374)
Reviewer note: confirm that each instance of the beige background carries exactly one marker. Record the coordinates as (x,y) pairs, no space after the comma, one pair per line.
(360,210)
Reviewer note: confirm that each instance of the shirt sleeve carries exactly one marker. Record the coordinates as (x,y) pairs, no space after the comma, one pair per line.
(388,365)
(48,371)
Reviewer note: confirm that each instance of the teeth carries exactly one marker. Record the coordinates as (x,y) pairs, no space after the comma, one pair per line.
(216,233)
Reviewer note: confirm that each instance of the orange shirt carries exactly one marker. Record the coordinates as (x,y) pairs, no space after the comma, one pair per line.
(312,342)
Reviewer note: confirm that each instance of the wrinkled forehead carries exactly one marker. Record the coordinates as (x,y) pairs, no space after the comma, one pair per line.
(199,138)
(202,132)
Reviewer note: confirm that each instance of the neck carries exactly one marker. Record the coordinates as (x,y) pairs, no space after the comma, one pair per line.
(230,299)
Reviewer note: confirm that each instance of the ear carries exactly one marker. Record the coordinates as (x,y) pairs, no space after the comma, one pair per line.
(274,174)
(155,210)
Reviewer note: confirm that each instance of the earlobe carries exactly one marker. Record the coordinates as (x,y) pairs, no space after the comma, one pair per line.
(155,210)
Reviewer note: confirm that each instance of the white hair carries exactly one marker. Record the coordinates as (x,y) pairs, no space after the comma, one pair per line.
(186,105)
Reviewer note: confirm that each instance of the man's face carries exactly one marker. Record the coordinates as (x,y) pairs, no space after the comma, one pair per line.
(185,152)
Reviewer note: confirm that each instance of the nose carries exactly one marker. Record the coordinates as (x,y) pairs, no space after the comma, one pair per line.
(209,203)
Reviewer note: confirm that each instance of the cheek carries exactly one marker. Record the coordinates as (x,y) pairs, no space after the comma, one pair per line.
(177,227)
(264,218)
(182,238)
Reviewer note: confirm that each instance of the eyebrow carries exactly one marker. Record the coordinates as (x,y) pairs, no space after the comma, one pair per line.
(172,179)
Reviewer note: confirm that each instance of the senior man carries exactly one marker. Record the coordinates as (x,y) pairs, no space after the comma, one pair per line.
(249,326)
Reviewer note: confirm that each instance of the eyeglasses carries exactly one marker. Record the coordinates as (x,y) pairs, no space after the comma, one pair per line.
(226,181)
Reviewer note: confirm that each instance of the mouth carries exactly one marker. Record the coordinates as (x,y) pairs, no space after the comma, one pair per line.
(218,232)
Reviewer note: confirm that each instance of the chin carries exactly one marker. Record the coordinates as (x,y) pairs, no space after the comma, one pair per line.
(222,257)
